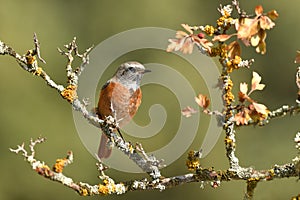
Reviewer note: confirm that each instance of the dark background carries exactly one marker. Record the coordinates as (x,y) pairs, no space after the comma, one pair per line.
(29,108)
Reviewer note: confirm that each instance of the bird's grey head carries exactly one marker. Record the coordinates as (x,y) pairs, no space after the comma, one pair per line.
(130,74)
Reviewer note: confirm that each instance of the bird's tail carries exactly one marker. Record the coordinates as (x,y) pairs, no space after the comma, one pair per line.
(104,151)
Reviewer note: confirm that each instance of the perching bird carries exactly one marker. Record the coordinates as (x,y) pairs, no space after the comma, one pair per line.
(120,97)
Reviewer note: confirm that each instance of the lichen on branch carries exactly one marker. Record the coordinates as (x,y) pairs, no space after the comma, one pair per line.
(222,40)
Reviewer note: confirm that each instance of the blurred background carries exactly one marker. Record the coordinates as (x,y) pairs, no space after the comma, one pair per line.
(29,108)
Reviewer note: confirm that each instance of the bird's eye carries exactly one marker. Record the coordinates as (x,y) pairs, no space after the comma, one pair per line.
(132,69)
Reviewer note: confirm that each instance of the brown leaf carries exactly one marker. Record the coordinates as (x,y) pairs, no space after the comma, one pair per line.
(204,43)
(243,97)
(233,49)
(222,37)
(261,108)
(185,45)
(261,48)
(202,101)
(266,23)
(258,41)
(259,10)
(181,34)
(187,28)
(188,111)
(258,112)
(253,30)
(255,82)
(174,45)
(242,117)
(297,59)
(255,40)
(273,14)
(246,28)
(244,88)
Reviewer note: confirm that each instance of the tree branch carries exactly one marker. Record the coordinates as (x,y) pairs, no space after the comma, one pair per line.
(109,186)
(29,62)
(229,57)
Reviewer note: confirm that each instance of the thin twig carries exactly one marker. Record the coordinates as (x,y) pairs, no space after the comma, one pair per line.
(37,48)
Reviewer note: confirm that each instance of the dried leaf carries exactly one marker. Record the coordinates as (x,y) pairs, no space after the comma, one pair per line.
(259,10)
(188,111)
(258,112)
(181,34)
(246,28)
(242,117)
(266,23)
(261,48)
(187,46)
(244,88)
(255,40)
(202,101)
(184,44)
(203,42)
(233,50)
(255,82)
(187,28)
(253,30)
(297,59)
(222,37)
(243,97)
(261,108)
(273,14)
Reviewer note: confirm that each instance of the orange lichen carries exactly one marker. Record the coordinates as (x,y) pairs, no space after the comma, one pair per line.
(193,161)
(59,165)
(30,57)
(83,192)
(209,30)
(271,174)
(38,71)
(229,142)
(70,93)
(228,97)
(225,21)
(131,148)
(103,189)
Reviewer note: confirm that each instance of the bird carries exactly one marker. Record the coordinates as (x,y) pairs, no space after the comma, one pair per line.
(120,97)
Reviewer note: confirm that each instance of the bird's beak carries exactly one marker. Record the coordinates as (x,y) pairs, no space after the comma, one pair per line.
(146,71)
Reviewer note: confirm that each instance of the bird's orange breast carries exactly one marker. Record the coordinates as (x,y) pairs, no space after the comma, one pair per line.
(118,101)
